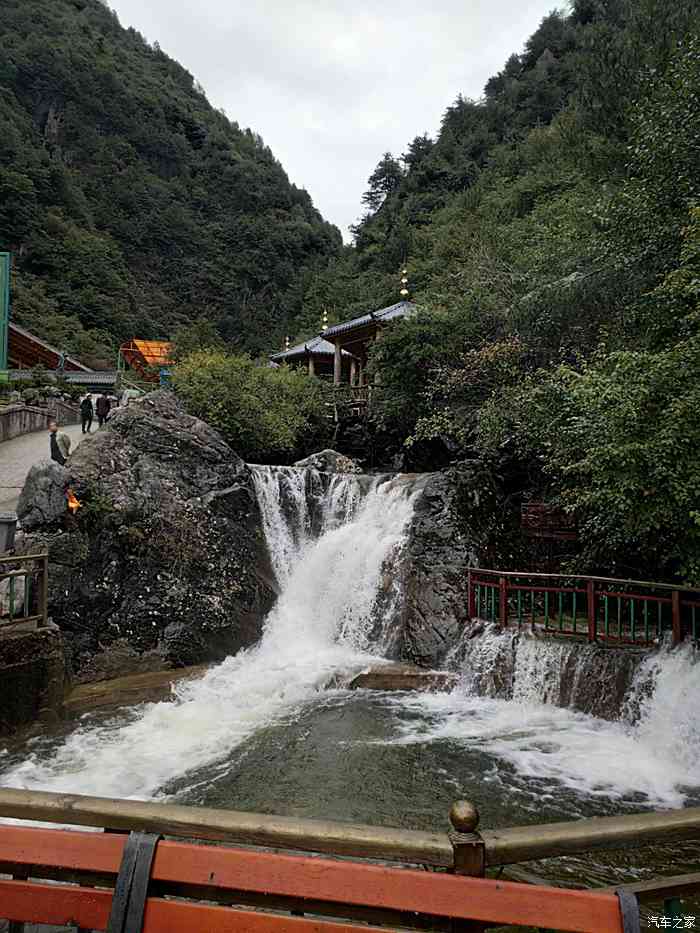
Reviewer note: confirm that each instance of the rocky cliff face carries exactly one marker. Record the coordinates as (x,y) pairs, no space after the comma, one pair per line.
(165,562)
(434,575)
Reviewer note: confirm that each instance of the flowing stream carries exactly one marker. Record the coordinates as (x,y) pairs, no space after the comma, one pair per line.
(321,624)
(266,730)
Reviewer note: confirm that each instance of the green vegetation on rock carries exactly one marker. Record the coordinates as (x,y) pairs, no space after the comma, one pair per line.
(267,415)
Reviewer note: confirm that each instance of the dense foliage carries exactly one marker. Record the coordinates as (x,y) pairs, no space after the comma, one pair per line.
(551,231)
(267,415)
(131,205)
(552,234)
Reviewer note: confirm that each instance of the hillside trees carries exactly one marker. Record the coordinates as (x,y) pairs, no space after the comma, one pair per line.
(130,204)
(562,248)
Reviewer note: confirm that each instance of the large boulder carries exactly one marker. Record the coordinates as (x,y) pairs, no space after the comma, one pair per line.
(42,501)
(165,562)
(434,575)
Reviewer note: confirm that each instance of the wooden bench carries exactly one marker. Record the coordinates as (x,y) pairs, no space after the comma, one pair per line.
(197,888)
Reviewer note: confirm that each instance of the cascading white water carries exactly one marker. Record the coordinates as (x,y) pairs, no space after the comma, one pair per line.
(516,702)
(287,495)
(321,623)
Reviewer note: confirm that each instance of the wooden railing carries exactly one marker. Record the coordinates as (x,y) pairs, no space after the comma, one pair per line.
(272,893)
(390,894)
(466,848)
(600,609)
(24,589)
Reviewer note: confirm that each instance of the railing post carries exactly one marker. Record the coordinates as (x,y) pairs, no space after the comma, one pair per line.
(590,596)
(677,637)
(471,596)
(503,600)
(469,853)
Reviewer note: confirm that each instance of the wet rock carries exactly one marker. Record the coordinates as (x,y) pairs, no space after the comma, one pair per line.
(42,502)
(32,671)
(166,554)
(434,575)
(329,461)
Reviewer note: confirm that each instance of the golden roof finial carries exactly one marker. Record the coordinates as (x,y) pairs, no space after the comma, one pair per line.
(324,322)
(404,284)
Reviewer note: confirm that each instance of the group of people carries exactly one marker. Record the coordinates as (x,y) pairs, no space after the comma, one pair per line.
(60,443)
(87,411)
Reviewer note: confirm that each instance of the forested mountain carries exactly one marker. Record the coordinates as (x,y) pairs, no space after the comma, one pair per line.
(551,231)
(552,235)
(509,194)
(131,204)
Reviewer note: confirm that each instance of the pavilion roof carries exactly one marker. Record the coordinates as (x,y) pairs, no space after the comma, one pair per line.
(400,309)
(315,346)
(155,352)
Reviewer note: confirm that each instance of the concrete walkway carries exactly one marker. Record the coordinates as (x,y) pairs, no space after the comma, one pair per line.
(20,454)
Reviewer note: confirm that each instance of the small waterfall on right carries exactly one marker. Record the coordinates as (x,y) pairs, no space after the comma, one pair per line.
(513,665)
(663,705)
(593,717)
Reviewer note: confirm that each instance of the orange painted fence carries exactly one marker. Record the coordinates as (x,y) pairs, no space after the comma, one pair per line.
(299,894)
(609,611)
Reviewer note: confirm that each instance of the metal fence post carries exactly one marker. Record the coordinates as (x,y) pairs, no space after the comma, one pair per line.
(676,617)
(469,853)
(590,593)
(471,596)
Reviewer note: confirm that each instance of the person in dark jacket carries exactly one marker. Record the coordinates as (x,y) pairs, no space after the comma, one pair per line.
(86,413)
(103,407)
(60,444)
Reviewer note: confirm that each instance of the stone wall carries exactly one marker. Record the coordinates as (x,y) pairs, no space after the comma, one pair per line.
(19,419)
(32,675)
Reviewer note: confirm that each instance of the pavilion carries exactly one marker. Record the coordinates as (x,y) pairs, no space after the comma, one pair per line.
(149,358)
(316,355)
(342,350)
(356,336)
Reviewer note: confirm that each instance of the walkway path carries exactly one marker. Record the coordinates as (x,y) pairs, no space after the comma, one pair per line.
(20,454)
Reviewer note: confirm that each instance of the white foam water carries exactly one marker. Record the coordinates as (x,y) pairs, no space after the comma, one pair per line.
(650,756)
(331,542)
(322,622)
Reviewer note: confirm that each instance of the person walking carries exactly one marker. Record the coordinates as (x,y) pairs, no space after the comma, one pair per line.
(59,444)
(103,406)
(86,413)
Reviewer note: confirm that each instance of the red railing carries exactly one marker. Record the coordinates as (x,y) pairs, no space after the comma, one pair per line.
(625,612)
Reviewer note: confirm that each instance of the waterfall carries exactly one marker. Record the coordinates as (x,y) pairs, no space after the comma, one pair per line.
(299,505)
(536,706)
(506,663)
(329,551)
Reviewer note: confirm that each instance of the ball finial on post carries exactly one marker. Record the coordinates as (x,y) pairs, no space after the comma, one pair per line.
(464,816)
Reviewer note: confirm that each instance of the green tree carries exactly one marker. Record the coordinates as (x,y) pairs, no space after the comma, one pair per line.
(267,415)
(383,181)
(190,338)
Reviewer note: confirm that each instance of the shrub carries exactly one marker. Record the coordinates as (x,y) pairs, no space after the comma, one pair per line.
(266,415)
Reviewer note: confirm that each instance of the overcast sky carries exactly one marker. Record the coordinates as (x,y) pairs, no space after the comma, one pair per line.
(331,85)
